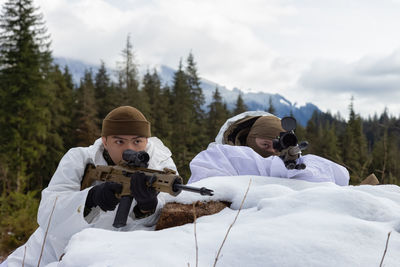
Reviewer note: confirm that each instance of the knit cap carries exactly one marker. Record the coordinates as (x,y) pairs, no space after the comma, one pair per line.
(125,120)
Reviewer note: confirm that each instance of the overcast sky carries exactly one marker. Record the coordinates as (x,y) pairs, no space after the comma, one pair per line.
(322,52)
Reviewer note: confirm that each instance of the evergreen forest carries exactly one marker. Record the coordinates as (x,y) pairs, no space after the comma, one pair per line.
(43,113)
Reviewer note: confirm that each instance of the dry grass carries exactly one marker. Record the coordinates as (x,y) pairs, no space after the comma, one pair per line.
(195,234)
(230,227)
(47,230)
(384,253)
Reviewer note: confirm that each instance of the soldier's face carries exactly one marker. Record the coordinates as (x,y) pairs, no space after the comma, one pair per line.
(117,144)
(266,145)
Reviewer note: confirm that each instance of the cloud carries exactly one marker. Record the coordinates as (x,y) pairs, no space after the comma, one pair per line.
(373,81)
(304,50)
(364,77)
(223,35)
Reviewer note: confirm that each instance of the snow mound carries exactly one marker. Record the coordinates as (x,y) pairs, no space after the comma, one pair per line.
(282,223)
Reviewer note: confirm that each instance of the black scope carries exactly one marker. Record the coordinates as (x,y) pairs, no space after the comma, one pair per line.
(285,140)
(288,138)
(136,158)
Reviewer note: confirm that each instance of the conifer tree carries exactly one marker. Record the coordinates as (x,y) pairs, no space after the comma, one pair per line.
(152,88)
(68,78)
(60,131)
(328,146)
(159,103)
(25,60)
(193,82)
(86,119)
(163,125)
(67,132)
(105,94)
(311,135)
(128,80)
(354,147)
(182,121)
(217,115)
(386,150)
(197,100)
(271,108)
(301,135)
(240,105)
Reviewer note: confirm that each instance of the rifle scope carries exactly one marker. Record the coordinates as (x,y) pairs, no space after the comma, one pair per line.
(288,138)
(136,159)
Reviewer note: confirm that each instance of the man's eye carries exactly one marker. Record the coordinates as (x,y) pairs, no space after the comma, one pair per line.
(119,142)
(137,141)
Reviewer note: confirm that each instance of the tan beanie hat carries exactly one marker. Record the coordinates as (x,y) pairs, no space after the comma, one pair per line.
(268,127)
(125,120)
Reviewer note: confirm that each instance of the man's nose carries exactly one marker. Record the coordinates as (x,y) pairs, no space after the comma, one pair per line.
(131,146)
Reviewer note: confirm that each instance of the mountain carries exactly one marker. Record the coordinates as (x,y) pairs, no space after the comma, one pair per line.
(253,101)
(76,67)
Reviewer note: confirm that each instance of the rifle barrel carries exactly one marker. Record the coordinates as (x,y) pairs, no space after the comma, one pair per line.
(202,191)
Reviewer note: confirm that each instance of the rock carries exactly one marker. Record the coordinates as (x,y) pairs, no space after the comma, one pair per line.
(176,214)
(371,180)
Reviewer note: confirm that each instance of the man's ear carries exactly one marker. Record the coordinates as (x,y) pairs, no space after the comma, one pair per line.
(104,140)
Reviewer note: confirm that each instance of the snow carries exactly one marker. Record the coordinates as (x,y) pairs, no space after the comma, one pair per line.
(284,102)
(282,222)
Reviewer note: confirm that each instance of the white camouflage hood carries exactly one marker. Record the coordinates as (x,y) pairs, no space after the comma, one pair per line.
(220,137)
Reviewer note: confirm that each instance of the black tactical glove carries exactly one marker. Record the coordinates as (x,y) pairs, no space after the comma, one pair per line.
(146,196)
(103,195)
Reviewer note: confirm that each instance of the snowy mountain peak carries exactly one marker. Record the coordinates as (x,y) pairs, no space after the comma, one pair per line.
(253,100)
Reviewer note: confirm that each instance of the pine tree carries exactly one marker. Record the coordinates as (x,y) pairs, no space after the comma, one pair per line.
(182,121)
(105,94)
(386,148)
(328,142)
(86,119)
(152,88)
(197,100)
(164,127)
(68,78)
(67,131)
(193,82)
(159,103)
(301,135)
(128,80)
(217,115)
(271,108)
(60,131)
(240,106)
(354,147)
(25,60)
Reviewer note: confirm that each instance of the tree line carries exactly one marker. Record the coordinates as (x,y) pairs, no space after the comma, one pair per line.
(43,114)
(363,146)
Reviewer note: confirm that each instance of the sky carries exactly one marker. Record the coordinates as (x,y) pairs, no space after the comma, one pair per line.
(323,52)
(282,222)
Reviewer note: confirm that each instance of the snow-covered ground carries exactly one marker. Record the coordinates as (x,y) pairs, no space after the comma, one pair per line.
(282,223)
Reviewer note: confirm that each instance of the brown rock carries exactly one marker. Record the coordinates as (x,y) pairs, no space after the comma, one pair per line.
(371,180)
(176,214)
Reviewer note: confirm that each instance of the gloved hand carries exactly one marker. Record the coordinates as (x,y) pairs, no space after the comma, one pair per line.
(103,195)
(146,196)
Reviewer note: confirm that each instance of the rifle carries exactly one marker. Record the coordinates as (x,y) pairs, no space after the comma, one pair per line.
(162,181)
(288,146)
